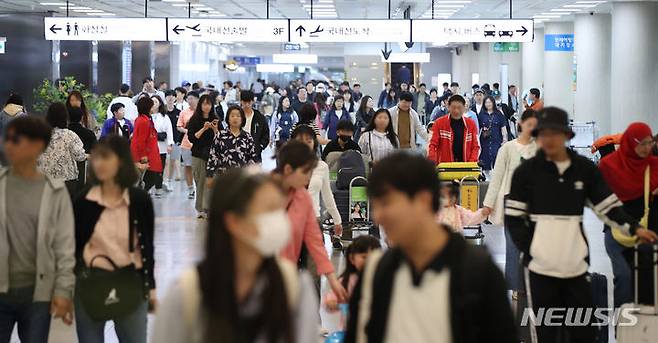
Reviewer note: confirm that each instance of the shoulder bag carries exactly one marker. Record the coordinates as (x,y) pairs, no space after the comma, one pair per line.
(630,241)
(108,295)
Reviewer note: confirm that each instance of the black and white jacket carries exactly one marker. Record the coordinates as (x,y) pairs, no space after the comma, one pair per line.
(477,303)
(544,213)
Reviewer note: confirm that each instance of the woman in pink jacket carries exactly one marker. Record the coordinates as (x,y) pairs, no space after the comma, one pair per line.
(294,165)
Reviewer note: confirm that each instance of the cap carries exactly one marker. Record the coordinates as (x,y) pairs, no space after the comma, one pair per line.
(553,118)
(185,84)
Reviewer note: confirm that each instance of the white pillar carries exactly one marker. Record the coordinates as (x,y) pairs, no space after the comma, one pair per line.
(634,76)
(532,63)
(592,53)
(558,71)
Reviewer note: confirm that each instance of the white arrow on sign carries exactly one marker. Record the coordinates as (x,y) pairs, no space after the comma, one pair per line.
(472,31)
(135,29)
(228,30)
(371,30)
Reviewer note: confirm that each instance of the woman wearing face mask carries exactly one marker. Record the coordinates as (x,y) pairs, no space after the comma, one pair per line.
(492,122)
(114,226)
(364,115)
(240,291)
(337,114)
(379,138)
(295,163)
(202,128)
(624,171)
(165,134)
(509,157)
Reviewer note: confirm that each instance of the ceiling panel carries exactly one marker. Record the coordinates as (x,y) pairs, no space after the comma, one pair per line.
(349,9)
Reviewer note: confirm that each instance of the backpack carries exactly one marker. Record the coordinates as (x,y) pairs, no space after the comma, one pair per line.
(285,125)
(350,165)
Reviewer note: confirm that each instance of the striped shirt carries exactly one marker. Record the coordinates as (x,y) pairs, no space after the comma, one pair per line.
(375,145)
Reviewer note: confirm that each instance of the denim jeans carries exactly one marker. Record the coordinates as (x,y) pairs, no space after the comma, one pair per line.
(130,329)
(32,318)
(621,270)
(512,264)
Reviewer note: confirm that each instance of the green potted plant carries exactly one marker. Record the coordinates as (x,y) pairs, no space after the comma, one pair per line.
(48,92)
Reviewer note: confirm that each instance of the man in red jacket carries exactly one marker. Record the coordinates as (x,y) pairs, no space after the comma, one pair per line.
(454,138)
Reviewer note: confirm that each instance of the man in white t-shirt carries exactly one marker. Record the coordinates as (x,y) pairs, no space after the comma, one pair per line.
(130,107)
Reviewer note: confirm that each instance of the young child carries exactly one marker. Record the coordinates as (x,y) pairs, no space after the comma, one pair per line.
(355,259)
(454,215)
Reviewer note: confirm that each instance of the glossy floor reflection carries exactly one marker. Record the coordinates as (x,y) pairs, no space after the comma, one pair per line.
(179,237)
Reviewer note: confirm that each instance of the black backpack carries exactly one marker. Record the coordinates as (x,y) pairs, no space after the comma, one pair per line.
(350,165)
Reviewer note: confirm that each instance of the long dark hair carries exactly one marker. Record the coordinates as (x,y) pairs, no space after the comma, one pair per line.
(297,155)
(85,112)
(351,102)
(320,101)
(115,144)
(161,109)
(388,95)
(198,113)
(390,132)
(279,109)
(232,193)
(360,245)
(364,104)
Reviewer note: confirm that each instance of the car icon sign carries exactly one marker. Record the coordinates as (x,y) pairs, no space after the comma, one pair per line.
(506,33)
(490,30)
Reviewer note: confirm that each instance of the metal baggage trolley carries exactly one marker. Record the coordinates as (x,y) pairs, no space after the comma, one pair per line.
(359,223)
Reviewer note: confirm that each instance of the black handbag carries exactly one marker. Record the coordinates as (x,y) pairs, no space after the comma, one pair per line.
(162,136)
(108,295)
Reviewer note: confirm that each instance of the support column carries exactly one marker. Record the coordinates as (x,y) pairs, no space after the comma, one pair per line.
(634,64)
(558,71)
(592,54)
(532,63)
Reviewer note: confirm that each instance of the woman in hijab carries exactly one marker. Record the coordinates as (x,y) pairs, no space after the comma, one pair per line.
(625,171)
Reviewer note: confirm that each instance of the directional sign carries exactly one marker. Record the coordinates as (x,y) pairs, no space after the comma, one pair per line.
(135,29)
(372,31)
(472,31)
(228,30)
(561,42)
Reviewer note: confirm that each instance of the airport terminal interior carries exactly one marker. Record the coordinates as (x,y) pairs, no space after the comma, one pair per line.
(178,171)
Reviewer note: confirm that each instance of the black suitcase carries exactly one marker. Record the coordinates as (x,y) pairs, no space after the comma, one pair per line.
(599,285)
(342,198)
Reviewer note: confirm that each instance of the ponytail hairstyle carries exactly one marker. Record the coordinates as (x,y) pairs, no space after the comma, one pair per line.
(233,192)
(360,245)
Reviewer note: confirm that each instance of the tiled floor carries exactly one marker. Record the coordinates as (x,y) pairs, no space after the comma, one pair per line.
(179,236)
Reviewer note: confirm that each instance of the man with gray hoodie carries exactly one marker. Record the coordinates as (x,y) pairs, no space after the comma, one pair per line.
(37,242)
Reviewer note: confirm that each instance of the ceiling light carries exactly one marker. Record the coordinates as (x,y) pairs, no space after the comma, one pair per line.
(590,2)
(449,6)
(275,68)
(52,3)
(552,14)
(325,1)
(454,2)
(180,5)
(89,11)
(173,0)
(101,14)
(319,6)
(579,6)
(217,15)
(565,10)
(295,58)
(545,16)
(407,57)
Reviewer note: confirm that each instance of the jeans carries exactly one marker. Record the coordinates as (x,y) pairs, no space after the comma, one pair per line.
(32,318)
(130,329)
(512,264)
(623,292)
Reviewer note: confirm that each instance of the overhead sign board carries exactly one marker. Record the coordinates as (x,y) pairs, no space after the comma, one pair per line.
(560,42)
(506,47)
(228,30)
(292,47)
(134,29)
(329,31)
(473,31)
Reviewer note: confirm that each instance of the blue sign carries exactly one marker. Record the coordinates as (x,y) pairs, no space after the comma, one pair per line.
(246,60)
(561,42)
(291,47)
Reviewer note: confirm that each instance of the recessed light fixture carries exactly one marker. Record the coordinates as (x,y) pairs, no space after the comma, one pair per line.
(102,14)
(579,6)
(52,3)
(88,11)
(453,2)
(591,2)
(449,6)
(566,10)
(554,13)
(173,0)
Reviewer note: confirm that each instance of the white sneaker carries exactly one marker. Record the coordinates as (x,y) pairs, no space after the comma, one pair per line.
(191,194)
(158,193)
(165,187)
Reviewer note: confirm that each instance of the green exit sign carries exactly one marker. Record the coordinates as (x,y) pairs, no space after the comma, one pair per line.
(506,47)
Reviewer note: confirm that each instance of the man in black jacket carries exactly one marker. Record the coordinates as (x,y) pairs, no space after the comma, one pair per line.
(431,286)
(544,214)
(256,123)
(87,137)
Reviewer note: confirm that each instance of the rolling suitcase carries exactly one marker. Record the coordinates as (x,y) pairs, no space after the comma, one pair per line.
(599,285)
(646,328)
(449,171)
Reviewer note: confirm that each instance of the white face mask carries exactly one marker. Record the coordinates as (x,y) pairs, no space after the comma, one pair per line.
(273,232)
(445,201)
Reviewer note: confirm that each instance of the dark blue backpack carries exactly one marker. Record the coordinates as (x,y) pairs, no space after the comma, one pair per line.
(285,125)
